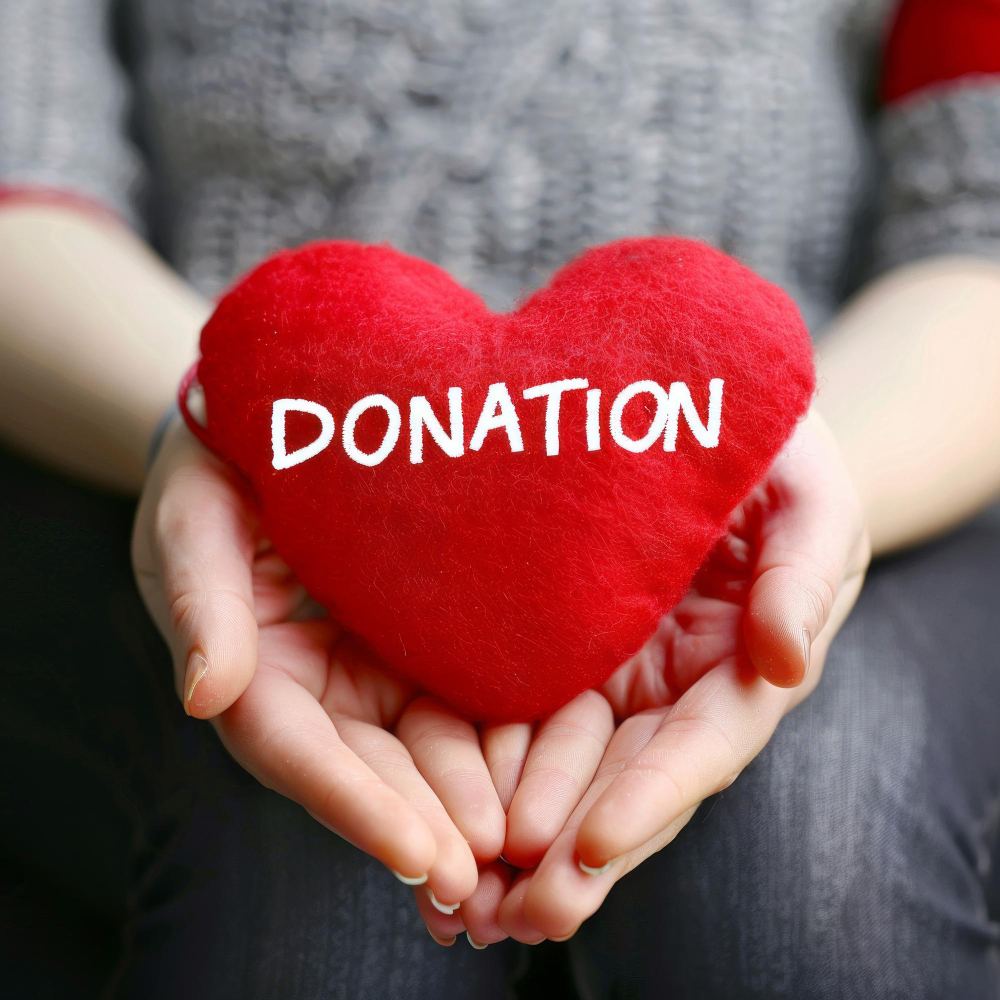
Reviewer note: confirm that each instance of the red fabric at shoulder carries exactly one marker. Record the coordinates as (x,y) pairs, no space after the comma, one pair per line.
(935,41)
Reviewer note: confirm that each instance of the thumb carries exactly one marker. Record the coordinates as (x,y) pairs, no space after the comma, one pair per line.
(198,584)
(812,538)
(214,647)
(788,607)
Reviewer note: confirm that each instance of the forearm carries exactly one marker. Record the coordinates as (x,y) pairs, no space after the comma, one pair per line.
(910,384)
(95,332)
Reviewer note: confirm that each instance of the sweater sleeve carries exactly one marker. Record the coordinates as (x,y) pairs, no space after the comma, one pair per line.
(939,132)
(63,102)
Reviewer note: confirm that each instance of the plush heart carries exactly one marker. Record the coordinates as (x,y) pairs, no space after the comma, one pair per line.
(502,541)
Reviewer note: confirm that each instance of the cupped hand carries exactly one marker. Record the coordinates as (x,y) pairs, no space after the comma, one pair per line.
(614,776)
(300,705)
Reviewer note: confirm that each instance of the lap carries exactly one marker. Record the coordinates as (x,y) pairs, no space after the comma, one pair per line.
(249,897)
(137,859)
(853,857)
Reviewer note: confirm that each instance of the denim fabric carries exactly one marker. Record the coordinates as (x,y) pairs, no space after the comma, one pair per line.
(853,859)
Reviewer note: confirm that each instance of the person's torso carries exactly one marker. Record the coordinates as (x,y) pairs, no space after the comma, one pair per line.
(499,137)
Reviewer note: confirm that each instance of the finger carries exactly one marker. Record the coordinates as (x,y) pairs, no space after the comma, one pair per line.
(560,895)
(277,594)
(505,747)
(699,746)
(561,764)
(452,877)
(511,916)
(810,541)
(481,911)
(444,928)
(842,606)
(446,751)
(363,704)
(280,734)
(200,560)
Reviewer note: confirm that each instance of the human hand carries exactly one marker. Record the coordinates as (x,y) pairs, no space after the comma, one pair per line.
(693,707)
(298,703)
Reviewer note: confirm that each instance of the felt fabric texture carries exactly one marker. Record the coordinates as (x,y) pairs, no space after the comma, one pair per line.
(935,42)
(505,581)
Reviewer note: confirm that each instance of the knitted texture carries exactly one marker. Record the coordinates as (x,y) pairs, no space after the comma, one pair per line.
(500,137)
(502,505)
(495,137)
(942,189)
(63,99)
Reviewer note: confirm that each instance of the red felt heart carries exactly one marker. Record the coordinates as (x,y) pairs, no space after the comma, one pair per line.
(502,576)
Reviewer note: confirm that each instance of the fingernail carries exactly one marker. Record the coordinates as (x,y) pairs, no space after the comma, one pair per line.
(409,881)
(806,650)
(197,667)
(440,907)
(587,870)
(475,944)
(444,942)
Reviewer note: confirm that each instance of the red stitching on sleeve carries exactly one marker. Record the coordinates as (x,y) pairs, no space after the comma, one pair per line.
(28,194)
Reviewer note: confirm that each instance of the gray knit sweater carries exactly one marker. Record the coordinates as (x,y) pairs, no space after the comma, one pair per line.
(499,137)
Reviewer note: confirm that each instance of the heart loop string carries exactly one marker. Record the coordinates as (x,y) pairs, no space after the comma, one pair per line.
(189,381)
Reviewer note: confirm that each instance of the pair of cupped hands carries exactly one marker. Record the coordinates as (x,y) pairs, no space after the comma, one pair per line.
(510,830)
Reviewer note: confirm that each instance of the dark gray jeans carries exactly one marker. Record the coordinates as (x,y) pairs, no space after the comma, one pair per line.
(853,859)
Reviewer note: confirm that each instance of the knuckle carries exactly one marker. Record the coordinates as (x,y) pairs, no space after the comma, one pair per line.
(706,729)
(183,611)
(818,592)
(670,783)
(434,737)
(386,759)
(506,761)
(560,737)
(823,594)
(226,606)
(330,801)
(470,777)
(171,520)
(191,507)
(686,776)
(552,779)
